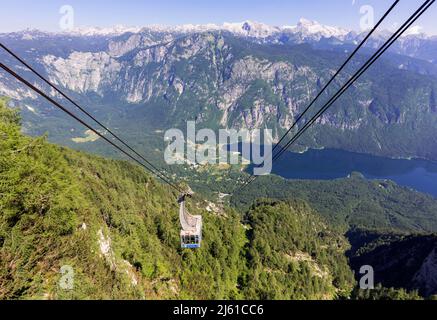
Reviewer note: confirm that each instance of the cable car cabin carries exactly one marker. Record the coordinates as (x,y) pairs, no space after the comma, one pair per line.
(189,241)
(191,233)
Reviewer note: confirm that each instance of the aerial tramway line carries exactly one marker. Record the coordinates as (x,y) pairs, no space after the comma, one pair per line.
(191,226)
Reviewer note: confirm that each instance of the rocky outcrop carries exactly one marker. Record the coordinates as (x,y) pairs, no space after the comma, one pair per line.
(398,261)
(426,277)
(83,71)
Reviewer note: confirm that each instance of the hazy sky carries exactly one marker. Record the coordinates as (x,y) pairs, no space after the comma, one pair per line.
(45,15)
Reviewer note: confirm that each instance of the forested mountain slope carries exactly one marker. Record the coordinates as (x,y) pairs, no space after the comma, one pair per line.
(352,202)
(292,253)
(399,260)
(118,229)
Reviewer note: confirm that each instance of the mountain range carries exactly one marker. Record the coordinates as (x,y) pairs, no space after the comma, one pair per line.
(239,75)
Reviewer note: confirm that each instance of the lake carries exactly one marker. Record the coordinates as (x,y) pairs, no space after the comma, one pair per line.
(328,164)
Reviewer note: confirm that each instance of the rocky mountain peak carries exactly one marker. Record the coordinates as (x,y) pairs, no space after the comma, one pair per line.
(310,27)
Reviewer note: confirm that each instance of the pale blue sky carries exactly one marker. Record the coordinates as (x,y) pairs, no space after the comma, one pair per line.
(44,15)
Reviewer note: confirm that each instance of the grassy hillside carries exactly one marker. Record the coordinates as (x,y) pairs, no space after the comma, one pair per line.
(118,229)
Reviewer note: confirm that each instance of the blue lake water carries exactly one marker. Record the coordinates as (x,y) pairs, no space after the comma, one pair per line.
(328,164)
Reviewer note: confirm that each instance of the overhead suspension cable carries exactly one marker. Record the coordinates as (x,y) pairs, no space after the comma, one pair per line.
(278,145)
(360,72)
(425,6)
(58,105)
(83,110)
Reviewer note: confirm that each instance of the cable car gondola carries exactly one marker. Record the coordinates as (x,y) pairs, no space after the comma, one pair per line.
(191,232)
